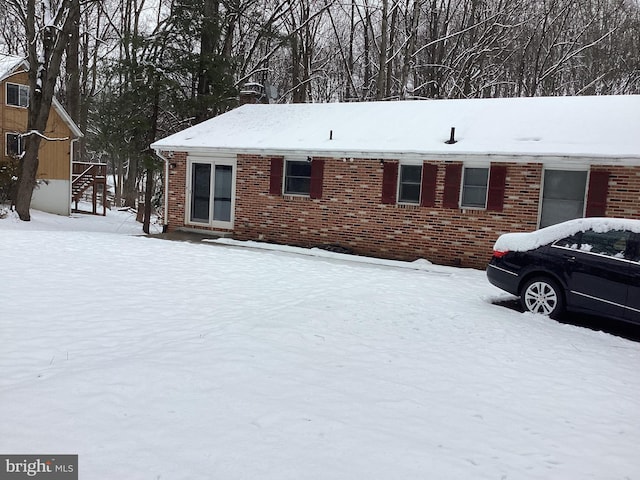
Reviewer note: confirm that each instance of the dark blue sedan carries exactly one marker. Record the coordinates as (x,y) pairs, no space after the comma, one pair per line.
(587,265)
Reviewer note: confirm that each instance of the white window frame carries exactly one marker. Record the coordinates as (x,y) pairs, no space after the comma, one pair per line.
(213,161)
(284,177)
(400,202)
(462,184)
(6,144)
(566,168)
(21,87)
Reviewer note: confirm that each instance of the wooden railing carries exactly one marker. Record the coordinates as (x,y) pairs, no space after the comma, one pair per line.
(89,175)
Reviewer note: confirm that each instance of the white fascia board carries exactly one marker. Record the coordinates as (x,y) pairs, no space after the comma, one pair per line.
(417,157)
(66,118)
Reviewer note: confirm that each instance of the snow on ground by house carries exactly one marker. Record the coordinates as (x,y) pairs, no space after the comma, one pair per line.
(116,221)
(165,360)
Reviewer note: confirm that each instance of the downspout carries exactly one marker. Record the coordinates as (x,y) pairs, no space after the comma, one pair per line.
(165,222)
(72,152)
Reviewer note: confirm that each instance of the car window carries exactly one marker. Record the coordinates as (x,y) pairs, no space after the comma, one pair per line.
(633,249)
(572,242)
(611,244)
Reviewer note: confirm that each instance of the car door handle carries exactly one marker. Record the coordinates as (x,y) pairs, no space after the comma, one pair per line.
(571,259)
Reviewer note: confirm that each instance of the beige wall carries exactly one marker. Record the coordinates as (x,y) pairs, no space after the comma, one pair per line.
(54,156)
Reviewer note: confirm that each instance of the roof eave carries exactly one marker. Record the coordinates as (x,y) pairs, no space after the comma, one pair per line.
(13,70)
(498,157)
(67,118)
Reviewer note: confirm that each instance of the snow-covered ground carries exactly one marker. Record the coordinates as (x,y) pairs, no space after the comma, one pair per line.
(166,360)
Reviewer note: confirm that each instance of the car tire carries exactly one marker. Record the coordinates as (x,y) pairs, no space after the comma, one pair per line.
(542,295)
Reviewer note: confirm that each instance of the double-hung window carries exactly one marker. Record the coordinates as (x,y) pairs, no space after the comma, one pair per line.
(13,145)
(563,196)
(409,184)
(474,187)
(297,177)
(409,187)
(17,95)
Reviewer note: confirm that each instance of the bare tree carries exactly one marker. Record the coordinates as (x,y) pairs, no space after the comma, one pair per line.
(48,26)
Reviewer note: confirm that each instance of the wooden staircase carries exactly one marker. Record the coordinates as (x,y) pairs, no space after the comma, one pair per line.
(89,175)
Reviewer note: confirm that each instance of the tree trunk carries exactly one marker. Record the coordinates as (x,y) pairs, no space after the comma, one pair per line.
(27,178)
(72,65)
(44,69)
(382,56)
(148,195)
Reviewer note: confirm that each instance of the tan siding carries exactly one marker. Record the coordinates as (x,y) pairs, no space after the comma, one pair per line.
(54,156)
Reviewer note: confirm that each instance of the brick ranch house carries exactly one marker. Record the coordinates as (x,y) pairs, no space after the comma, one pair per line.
(437,179)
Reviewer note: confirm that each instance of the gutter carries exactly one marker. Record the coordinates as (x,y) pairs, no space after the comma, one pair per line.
(417,157)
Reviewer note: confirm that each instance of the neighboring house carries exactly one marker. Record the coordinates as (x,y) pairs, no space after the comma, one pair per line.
(53,192)
(387,178)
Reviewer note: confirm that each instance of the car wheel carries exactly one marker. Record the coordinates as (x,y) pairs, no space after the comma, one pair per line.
(542,295)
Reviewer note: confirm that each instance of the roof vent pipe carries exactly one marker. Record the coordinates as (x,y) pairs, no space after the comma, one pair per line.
(452,138)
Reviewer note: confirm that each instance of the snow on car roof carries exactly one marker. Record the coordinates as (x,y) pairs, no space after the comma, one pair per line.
(524,241)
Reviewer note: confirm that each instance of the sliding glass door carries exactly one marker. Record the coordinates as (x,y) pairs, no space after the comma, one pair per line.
(211,191)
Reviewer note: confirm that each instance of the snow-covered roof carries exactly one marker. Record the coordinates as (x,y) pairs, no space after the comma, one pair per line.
(524,241)
(9,63)
(597,126)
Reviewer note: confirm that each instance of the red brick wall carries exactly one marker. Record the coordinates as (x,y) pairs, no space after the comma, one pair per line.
(177,188)
(624,191)
(350,212)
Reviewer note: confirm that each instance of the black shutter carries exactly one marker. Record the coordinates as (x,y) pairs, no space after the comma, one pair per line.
(275,180)
(389,182)
(452,176)
(317,173)
(497,183)
(597,195)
